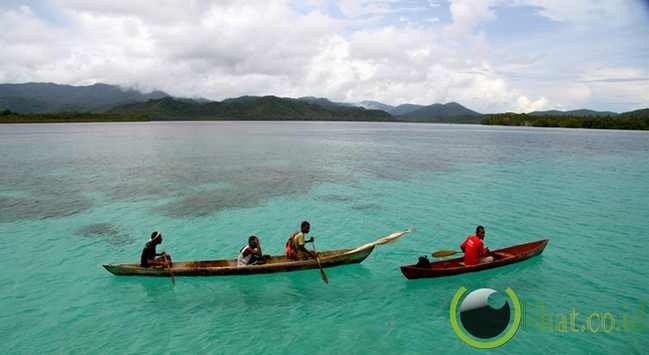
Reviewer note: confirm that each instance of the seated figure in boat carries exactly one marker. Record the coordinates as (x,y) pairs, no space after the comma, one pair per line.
(149,255)
(251,253)
(474,249)
(295,246)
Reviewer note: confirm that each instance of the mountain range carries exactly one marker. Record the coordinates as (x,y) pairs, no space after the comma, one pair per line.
(451,111)
(49,97)
(158,105)
(250,108)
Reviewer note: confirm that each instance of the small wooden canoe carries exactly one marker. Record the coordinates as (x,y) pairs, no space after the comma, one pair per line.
(456,266)
(274,264)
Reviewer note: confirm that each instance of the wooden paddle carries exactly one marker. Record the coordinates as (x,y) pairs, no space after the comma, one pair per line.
(443,253)
(171,271)
(317,258)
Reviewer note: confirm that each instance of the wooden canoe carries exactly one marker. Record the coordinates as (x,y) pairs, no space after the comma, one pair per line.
(274,264)
(456,266)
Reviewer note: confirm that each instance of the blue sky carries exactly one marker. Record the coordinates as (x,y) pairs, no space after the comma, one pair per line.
(489,55)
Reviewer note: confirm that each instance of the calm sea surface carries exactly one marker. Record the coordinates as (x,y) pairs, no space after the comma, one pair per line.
(75,196)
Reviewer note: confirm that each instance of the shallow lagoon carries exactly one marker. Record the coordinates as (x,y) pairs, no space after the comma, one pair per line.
(74,196)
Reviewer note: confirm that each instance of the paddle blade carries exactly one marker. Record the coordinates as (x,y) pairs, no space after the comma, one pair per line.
(324,276)
(171,271)
(443,253)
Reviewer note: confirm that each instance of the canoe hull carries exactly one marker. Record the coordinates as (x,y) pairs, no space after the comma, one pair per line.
(229,267)
(505,256)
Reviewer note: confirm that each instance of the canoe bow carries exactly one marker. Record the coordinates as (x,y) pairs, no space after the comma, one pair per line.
(385,240)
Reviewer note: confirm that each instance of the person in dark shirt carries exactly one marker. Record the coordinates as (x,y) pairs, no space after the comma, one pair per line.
(150,257)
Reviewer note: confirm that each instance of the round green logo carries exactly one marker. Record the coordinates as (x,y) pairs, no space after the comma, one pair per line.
(483,322)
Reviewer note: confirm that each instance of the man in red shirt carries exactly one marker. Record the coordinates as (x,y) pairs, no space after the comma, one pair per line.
(474,250)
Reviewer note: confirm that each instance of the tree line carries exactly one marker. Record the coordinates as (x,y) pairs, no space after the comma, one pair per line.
(7,116)
(637,120)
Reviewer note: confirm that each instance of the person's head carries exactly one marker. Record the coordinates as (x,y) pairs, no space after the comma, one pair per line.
(156,238)
(479,232)
(305,227)
(253,241)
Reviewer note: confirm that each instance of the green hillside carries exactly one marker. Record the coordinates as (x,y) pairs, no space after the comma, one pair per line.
(250,108)
(52,98)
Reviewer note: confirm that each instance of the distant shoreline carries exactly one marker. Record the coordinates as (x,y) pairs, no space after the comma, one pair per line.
(635,120)
(119,117)
(513,120)
(33,103)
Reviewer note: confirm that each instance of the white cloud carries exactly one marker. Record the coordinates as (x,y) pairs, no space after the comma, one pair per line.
(616,84)
(230,48)
(468,14)
(523,104)
(584,12)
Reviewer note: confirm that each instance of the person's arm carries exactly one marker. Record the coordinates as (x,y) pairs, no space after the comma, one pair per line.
(462,246)
(303,248)
(484,251)
(155,262)
(150,255)
(247,251)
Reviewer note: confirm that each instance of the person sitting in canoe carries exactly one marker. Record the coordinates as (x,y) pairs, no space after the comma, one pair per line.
(474,249)
(150,257)
(295,246)
(251,253)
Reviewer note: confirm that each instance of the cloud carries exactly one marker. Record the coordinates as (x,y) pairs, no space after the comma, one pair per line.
(523,104)
(468,14)
(383,50)
(612,84)
(616,80)
(356,8)
(584,12)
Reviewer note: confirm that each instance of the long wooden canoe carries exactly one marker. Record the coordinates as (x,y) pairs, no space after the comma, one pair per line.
(456,266)
(274,264)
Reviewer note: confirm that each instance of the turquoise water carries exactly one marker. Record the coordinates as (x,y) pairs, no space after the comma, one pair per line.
(74,196)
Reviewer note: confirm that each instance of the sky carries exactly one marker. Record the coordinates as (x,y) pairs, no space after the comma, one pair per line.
(488,55)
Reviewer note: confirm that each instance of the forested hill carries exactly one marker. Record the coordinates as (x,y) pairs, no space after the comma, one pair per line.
(249,108)
(54,98)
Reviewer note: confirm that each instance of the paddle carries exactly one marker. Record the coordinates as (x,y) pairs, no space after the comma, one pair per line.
(317,258)
(171,272)
(443,253)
